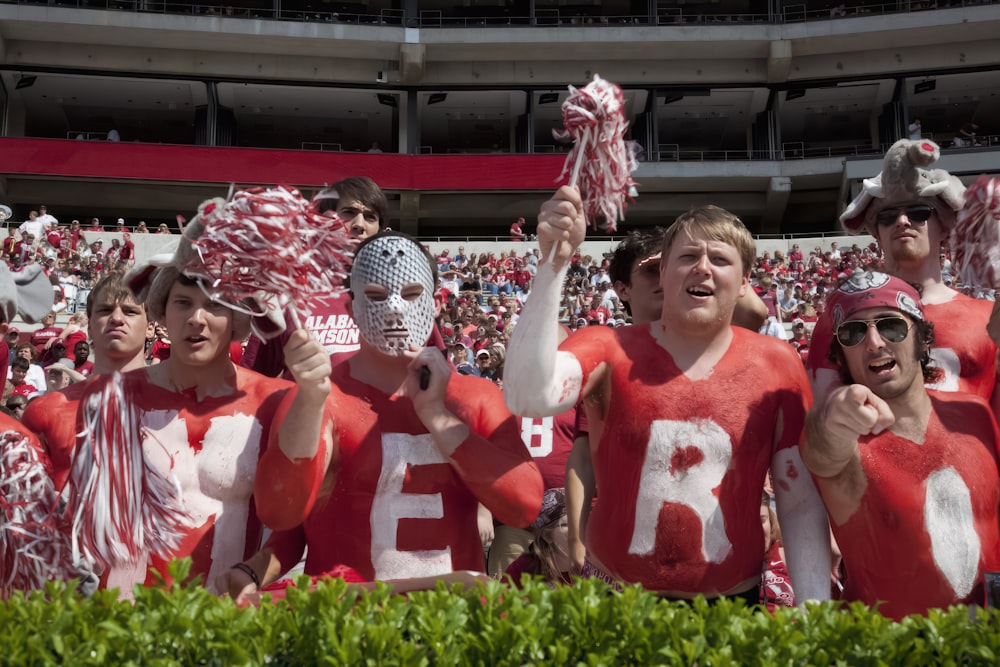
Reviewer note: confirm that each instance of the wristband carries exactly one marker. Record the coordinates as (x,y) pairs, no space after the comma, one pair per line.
(249,571)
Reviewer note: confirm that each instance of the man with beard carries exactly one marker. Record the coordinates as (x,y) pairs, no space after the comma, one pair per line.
(909,476)
(911,217)
(679,470)
(418,447)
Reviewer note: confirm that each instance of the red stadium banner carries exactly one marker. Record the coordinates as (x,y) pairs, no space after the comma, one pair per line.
(62,158)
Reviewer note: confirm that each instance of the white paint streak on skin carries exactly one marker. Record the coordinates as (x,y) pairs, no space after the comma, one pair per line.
(946,359)
(949,522)
(399,451)
(690,486)
(537,435)
(217,481)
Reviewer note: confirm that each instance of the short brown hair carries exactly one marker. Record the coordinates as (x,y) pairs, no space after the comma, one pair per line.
(358,188)
(717,224)
(109,289)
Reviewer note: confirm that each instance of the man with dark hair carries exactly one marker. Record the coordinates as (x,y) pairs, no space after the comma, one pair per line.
(910,209)
(418,446)
(908,476)
(635,273)
(359,202)
(679,471)
(363,208)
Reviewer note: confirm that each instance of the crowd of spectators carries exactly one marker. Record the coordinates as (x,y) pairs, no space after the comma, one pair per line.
(483,295)
(52,357)
(482,292)
(72,262)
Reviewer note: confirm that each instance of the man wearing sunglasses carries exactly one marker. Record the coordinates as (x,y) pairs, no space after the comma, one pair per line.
(908,476)
(910,210)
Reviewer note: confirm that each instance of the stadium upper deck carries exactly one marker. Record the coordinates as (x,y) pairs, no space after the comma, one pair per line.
(774,110)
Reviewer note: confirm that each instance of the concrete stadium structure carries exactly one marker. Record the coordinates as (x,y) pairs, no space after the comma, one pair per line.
(773,109)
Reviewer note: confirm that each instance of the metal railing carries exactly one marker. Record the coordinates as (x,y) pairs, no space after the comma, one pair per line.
(544,18)
(320,146)
(87,136)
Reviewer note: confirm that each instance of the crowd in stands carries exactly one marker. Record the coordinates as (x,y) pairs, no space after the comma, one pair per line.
(50,357)
(72,262)
(406,420)
(484,294)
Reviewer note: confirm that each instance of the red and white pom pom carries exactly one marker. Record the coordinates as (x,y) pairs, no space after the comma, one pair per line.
(122,507)
(975,240)
(271,240)
(32,548)
(601,160)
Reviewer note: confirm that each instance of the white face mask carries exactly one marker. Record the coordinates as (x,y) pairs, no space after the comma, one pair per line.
(393,325)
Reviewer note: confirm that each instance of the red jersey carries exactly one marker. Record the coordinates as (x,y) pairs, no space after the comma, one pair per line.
(680,464)
(211,447)
(962,349)
(926,529)
(398,508)
(78,336)
(550,440)
(329,323)
(160,350)
(25,389)
(40,337)
(775,584)
(22,251)
(601,314)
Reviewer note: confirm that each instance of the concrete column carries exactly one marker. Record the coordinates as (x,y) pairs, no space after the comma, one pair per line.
(778,191)
(409,213)
(779,61)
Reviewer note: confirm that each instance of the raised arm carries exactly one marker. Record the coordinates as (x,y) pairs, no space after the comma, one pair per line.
(831,451)
(479,438)
(540,381)
(289,474)
(804,526)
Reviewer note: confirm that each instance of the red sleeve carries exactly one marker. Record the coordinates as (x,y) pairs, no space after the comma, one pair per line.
(819,346)
(590,345)
(11,424)
(285,490)
(493,461)
(52,418)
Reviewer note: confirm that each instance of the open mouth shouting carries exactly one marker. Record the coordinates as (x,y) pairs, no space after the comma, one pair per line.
(700,291)
(882,367)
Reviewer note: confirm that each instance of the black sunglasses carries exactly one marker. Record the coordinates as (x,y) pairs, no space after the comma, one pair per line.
(914,213)
(892,329)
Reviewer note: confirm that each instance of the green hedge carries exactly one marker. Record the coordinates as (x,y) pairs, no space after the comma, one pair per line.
(583,624)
